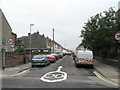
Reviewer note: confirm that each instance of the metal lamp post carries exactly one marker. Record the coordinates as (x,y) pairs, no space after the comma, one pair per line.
(30,39)
(53,41)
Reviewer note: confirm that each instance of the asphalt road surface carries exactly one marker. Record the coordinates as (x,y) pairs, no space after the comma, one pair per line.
(82,77)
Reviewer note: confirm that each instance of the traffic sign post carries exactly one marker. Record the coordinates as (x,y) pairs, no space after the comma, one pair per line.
(117,36)
(10,41)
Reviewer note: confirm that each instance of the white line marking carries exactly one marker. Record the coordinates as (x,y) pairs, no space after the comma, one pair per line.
(54,76)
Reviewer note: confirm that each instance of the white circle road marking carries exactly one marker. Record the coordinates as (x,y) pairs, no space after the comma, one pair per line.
(54,76)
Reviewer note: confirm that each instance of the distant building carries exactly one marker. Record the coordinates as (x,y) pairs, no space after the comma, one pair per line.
(80,47)
(118,14)
(6,33)
(38,42)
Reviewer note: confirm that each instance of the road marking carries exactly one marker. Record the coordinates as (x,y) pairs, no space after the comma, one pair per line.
(20,73)
(54,76)
(5,75)
(104,79)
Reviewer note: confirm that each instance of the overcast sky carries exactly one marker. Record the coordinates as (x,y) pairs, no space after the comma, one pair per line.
(67,17)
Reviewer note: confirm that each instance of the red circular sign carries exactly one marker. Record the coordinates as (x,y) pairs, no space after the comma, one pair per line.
(10,41)
(117,36)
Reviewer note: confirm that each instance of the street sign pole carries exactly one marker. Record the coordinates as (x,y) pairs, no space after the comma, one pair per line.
(117,37)
(3,54)
(3,57)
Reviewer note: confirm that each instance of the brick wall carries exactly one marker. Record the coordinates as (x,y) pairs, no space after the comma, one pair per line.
(16,59)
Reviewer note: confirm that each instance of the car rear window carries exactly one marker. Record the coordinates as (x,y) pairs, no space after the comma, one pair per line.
(38,57)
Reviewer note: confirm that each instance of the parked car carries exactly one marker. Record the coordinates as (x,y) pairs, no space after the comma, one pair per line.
(84,57)
(69,53)
(52,58)
(39,60)
(56,55)
(60,55)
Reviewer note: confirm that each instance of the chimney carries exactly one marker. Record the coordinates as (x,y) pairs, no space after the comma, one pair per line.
(37,32)
(43,35)
(28,34)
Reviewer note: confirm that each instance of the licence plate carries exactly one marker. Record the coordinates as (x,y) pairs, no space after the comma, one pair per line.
(37,63)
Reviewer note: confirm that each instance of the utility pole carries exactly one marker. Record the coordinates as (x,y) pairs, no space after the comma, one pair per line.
(53,40)
(30,39)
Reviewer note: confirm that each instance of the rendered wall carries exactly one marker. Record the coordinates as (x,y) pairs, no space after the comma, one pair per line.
(6,32)
(0,29)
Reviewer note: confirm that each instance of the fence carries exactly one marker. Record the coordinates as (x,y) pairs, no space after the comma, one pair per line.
(112,62)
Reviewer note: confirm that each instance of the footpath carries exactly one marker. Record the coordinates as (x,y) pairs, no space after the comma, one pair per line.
(110,73)
(14,70)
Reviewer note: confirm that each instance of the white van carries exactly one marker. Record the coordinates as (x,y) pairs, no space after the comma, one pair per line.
(84,57)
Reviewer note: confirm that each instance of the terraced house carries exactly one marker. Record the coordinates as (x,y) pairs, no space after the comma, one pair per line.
(39,43)
(6,33)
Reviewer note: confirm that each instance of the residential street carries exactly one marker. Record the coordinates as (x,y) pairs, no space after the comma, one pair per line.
(82,77)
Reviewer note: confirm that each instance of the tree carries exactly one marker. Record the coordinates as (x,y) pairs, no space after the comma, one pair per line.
(98,32)
(20,49)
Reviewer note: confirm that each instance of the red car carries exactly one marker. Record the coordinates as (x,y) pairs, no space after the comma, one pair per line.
(52,58)
(69,53)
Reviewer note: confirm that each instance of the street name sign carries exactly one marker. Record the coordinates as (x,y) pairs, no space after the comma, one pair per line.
(3,42)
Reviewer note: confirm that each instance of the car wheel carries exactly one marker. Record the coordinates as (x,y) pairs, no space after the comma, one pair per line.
(49,63)
(32,66)
(91,66)
(77,66)
(46,64)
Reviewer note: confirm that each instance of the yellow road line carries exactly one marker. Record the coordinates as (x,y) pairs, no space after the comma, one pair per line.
(5,75)
(104,79)
(1,75)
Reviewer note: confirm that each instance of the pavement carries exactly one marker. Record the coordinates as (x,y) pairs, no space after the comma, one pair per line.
(110,73)
(14,70)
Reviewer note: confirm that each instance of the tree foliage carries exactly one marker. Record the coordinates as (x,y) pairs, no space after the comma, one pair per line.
(20,49)
(98,33)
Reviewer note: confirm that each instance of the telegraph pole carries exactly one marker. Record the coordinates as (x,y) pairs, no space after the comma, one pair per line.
(30,39)
(53,40)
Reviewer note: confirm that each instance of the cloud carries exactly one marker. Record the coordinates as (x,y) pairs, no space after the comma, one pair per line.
(66,16)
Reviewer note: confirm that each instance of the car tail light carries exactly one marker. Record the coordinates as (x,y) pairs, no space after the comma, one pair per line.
(32,60)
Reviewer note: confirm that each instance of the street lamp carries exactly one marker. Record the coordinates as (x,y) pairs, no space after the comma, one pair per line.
(53,41)
(30,39)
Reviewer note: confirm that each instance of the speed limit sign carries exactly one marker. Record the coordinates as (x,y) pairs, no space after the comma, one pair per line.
(10,41)
(117,36)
